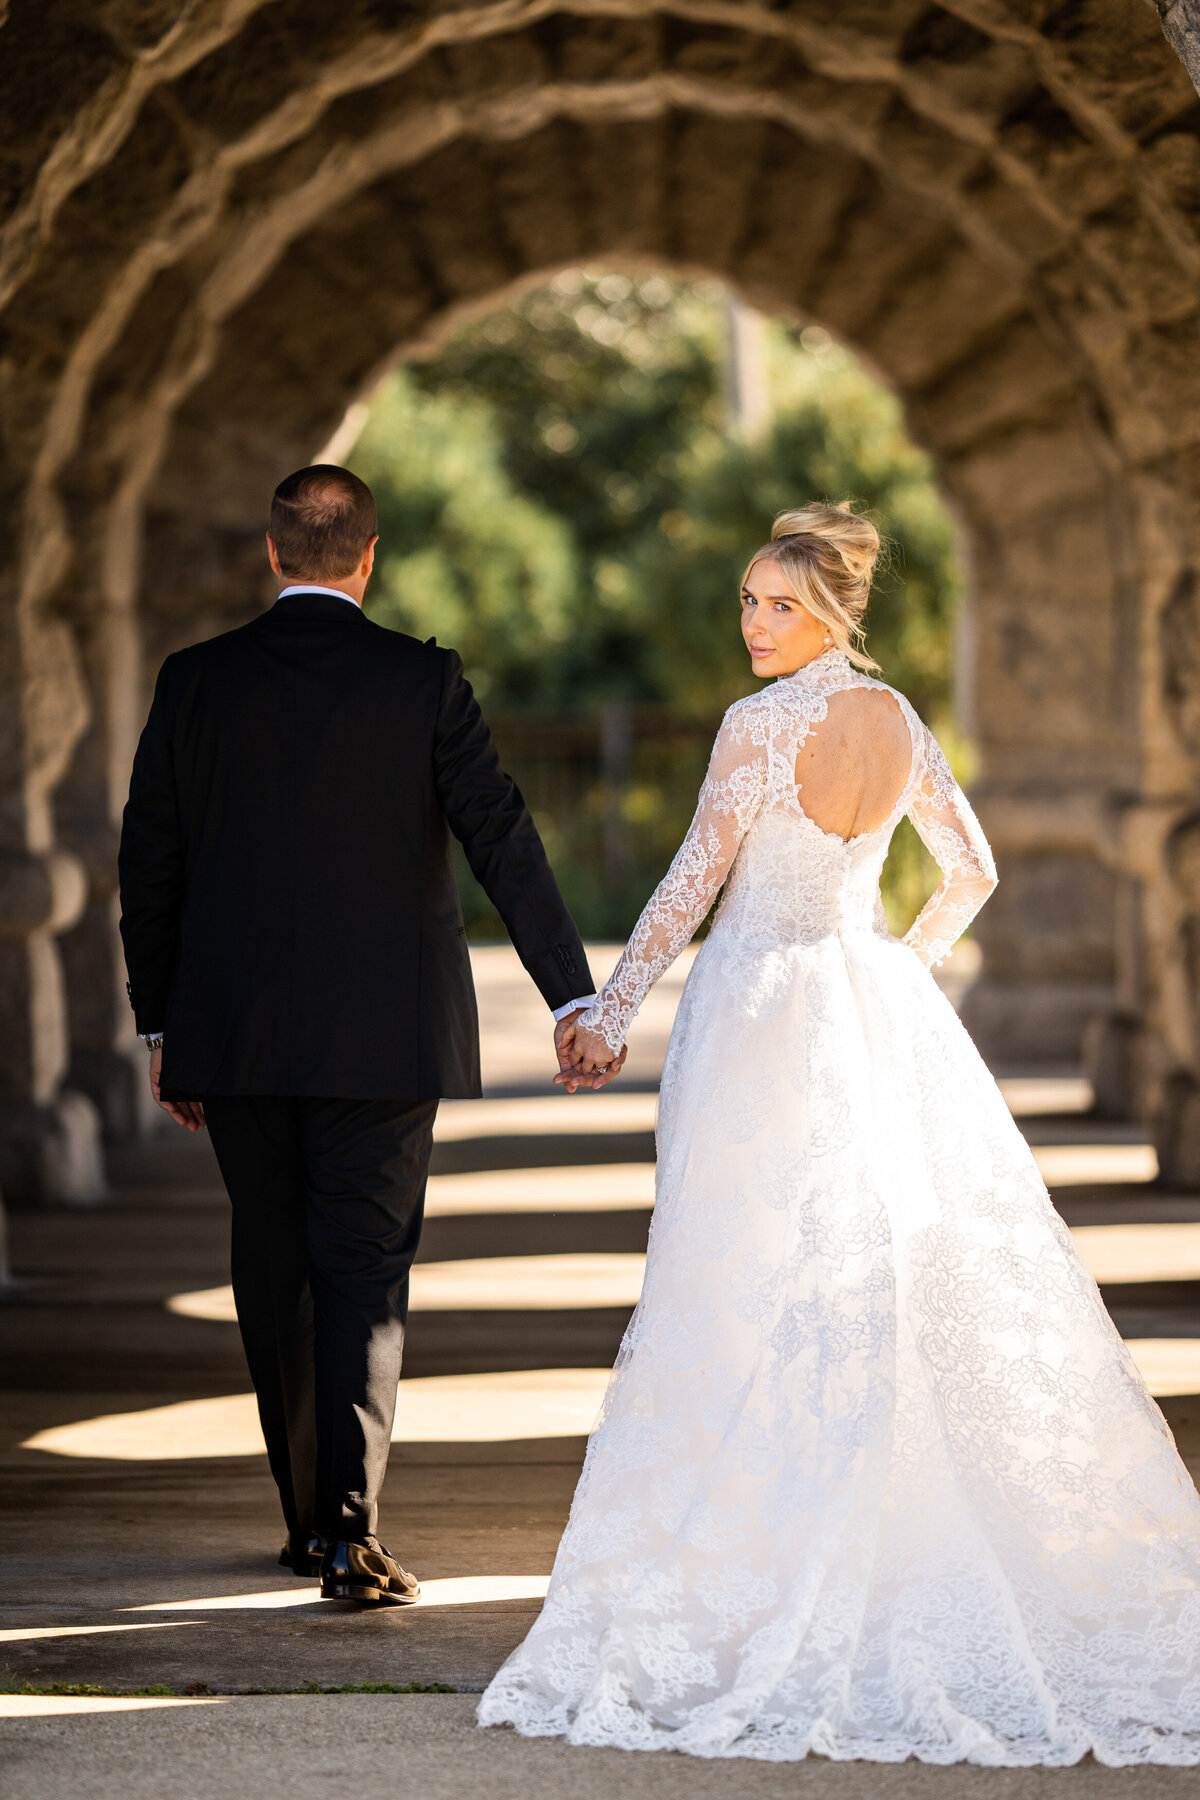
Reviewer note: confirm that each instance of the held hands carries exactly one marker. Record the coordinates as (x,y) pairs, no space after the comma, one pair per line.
(584,1059)
(184,1112)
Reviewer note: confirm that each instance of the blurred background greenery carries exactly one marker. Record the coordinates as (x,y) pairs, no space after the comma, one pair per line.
(568,492)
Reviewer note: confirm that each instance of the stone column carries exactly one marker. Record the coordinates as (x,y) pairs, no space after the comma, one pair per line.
(49,1134)
(1159,1061)
(106,1060)
(1054,714)
(1181,28)
(1160,1055)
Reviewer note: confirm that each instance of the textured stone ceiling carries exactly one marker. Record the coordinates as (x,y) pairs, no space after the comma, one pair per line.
(220,211)
(222,219)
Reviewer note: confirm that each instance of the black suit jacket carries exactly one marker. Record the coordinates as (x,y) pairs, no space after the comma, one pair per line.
(289,911)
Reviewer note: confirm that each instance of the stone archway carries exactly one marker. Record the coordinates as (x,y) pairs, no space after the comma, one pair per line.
(228,215)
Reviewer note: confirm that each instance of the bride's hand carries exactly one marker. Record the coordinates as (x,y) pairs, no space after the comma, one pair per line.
(593,1064)
(602,1079)
(589,1051)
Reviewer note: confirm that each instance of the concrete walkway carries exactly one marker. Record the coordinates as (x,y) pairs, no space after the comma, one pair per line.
(140,1524)
(427,1747)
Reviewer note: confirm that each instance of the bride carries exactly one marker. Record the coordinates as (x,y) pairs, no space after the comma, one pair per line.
(875,1475)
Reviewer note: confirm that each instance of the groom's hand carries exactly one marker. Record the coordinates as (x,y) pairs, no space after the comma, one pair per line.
(564,1039)
(570,1057)
(584,1059)
(602,1076)
(184,1112)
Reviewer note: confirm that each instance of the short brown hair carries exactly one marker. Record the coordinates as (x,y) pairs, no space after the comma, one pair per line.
(322,519)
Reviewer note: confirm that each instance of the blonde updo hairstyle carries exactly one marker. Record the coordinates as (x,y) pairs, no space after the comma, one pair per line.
(827,556)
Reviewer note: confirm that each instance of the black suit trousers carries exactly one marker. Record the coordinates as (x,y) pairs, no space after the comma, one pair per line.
(327,1198)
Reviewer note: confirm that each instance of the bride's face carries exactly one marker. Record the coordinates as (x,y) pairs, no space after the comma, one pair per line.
(780,632)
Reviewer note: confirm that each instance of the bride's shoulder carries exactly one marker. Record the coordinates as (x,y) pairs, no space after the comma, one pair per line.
(748,720)
(868,690)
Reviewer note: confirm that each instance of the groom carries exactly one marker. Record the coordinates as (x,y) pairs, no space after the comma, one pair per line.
(299,971)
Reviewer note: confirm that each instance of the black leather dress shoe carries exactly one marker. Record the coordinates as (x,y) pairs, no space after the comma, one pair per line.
(303,1558)
(366,1573)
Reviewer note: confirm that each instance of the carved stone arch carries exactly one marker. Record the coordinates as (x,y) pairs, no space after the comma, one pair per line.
(226,216)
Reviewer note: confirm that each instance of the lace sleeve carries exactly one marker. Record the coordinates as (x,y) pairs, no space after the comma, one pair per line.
(730,799)
(954,838)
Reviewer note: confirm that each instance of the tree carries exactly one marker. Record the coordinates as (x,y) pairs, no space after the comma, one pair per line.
(563,498)
(464,555)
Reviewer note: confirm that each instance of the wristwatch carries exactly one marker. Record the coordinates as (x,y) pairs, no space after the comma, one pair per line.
(153,1041)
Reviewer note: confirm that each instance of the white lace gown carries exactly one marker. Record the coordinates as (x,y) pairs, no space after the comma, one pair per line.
(875,1476)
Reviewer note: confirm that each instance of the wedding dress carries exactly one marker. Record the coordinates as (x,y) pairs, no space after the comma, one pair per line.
(875,1476)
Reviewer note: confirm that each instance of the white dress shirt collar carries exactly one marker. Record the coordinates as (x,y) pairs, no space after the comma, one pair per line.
(310,587)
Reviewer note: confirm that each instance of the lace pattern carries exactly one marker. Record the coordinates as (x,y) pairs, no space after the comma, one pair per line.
(875,1476)
(948,828)
(752,771)
(733,792)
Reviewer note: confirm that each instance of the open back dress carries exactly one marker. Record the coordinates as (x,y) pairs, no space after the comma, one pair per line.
(875,1475)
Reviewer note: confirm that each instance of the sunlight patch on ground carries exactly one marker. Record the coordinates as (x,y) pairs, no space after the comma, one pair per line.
(549,1115)
(476,1590)
(1168,1365)
(216,1304)
(269,1601)
(613,1110)
(522,1283)
(1033,1096)
(455,1590)
(1081,1165)
(1113,1253)
(1116,1253)
(505,1406)
(224,1426)
(46,1706)
(510,1404)
(26,1634)
(486,1284)
(591,1187)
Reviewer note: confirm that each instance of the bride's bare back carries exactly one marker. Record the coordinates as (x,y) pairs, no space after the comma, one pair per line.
(850,756)
(852,768)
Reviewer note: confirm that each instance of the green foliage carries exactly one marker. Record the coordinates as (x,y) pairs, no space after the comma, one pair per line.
(374,1687)
(465,556)
(81,1690)
(835,435)
(563,498)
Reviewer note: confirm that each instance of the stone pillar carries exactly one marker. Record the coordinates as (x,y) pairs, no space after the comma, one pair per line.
(1161,835)
(49,1134)
(106,1060)
(1047,933)
(1181,28)
(1054,714)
